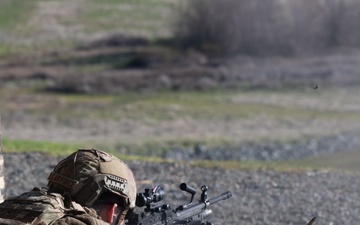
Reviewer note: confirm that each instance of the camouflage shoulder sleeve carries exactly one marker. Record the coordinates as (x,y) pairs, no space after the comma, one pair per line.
(10,222)
(84,219)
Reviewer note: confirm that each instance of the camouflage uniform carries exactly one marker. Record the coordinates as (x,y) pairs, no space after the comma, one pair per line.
(40,207)
(74,185)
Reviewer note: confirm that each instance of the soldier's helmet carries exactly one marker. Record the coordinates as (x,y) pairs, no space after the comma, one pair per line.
(88,173)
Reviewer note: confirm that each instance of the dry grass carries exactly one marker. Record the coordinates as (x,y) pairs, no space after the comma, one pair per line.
(154,122)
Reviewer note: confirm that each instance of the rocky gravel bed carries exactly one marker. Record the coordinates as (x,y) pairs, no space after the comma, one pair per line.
(346,141)
(258,197)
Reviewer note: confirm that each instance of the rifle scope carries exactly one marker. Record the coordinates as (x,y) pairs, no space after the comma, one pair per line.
(151,195)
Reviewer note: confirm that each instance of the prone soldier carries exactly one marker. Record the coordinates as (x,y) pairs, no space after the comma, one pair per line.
(89,187)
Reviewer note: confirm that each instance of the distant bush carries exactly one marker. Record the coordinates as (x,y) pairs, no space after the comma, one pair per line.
(261,27)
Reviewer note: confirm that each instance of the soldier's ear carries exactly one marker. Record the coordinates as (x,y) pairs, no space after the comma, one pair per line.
(111,212)
(107,212)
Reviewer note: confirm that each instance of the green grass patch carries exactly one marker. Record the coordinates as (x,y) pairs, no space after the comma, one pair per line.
(5,50)
(63,150)
(58,149)
(13,12)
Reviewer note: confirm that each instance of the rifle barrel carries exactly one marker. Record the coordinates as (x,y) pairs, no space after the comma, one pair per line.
(223,196)
(195,209)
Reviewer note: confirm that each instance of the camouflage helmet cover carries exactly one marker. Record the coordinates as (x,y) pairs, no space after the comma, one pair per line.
(88,173)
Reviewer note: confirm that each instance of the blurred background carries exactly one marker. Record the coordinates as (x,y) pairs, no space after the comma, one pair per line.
(232,83)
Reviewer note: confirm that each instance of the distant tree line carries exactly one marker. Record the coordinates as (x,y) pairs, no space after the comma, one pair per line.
(267,27)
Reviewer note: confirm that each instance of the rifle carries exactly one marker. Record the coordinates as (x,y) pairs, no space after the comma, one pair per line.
(311,221)
(160,214)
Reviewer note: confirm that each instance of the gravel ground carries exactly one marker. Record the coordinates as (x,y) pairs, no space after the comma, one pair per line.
(345,141)
(259,197)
